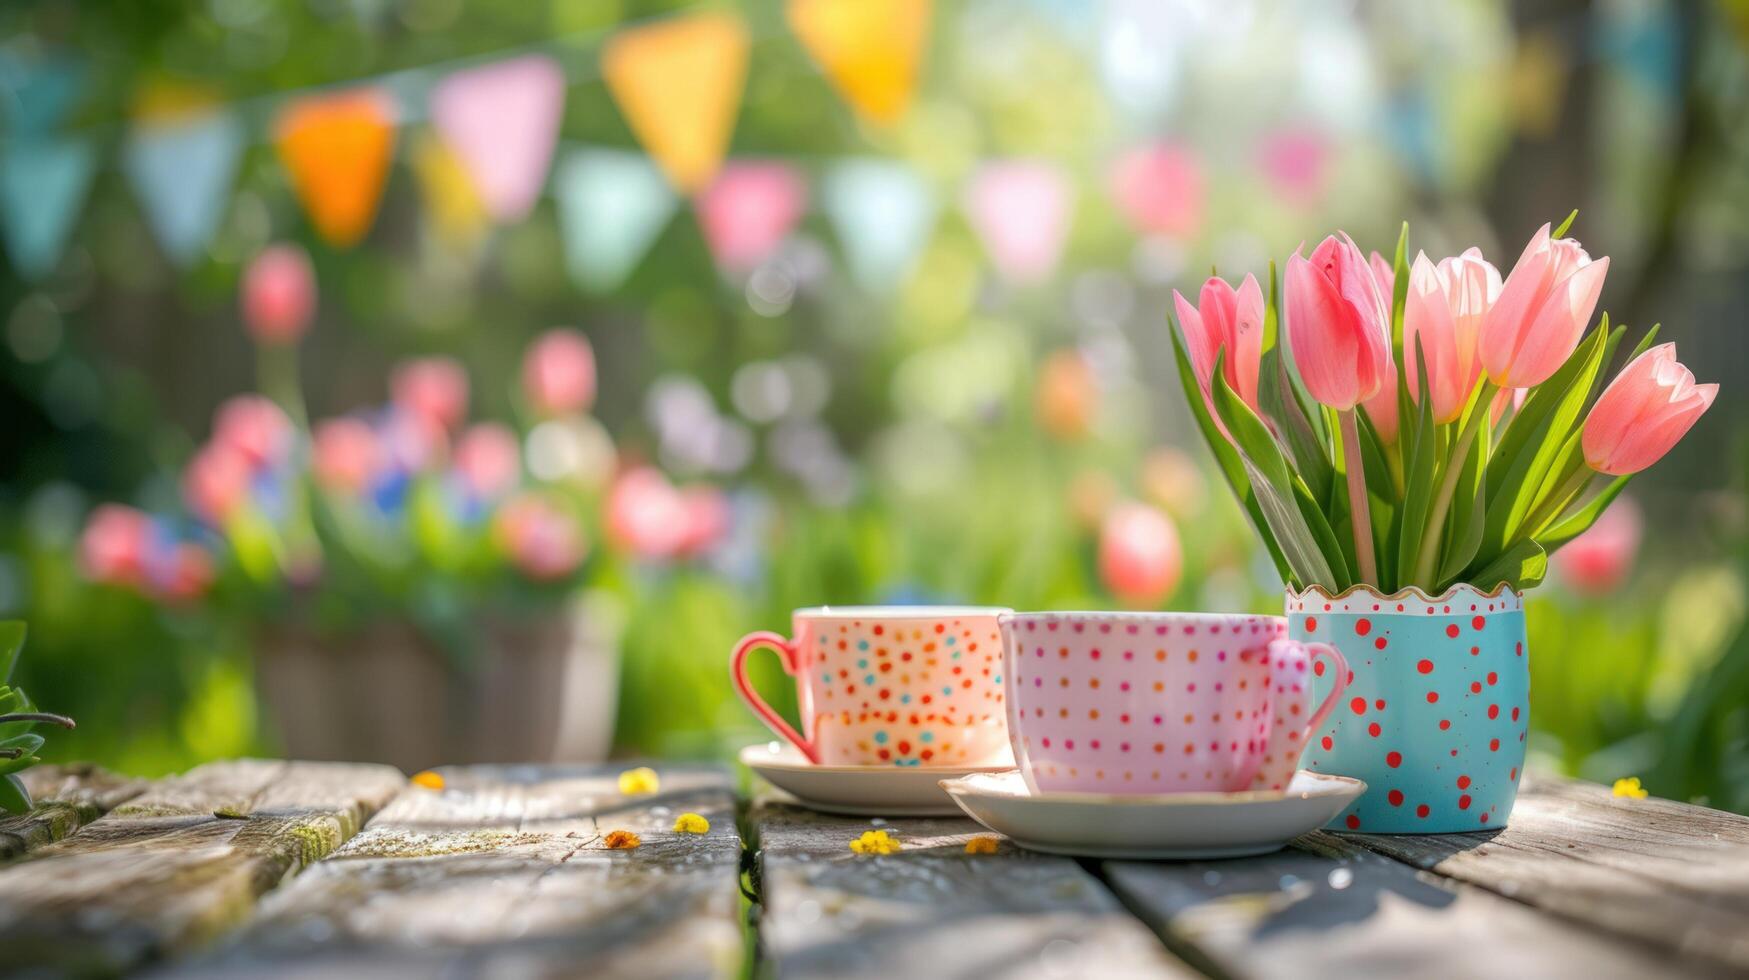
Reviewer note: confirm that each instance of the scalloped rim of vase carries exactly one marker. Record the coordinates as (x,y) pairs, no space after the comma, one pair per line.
(1503,598)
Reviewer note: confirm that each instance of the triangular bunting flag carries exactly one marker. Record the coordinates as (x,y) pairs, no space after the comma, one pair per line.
(451,201)
(612,205)
(182,170)
(337,148)
(1160,189)
(502,120)
(37,92)
(678,83)
(748,211)
(1139,52)
(1021,212)
(43,181)
(869,50)
(883,213)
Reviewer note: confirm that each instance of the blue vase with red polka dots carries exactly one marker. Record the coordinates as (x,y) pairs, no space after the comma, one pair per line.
(1437,708)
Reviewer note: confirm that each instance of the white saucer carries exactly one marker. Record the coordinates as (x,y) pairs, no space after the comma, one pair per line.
(1183,826)
(858,791)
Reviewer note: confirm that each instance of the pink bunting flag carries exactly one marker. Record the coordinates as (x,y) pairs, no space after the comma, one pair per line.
(502,120)
(1160,189)
(1021,211)
(1294,161)
(748,211)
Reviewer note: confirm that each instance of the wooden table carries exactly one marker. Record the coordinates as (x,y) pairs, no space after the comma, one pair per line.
(280,869)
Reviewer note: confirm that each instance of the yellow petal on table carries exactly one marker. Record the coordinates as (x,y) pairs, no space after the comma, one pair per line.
(1630,788)
(678,82)
(981,845)
(691,823)
(869,50)
(337,149)
(621,840)
(428,780)
(875,842)
(639,782)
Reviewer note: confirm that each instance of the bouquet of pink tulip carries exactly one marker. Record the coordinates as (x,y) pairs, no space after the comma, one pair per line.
(1425,425)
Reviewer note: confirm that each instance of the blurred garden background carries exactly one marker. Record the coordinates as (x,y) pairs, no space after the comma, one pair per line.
(444,380)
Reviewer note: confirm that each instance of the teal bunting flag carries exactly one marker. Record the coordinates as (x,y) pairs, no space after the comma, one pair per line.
(883,213)
(182,169)
(612,205)
(43,181)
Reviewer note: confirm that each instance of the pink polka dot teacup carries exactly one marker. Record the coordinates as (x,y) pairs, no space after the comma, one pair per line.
(889,685)
(1160,702)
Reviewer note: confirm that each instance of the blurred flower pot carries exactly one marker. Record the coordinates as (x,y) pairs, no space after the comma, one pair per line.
(541,688)
(1437,706)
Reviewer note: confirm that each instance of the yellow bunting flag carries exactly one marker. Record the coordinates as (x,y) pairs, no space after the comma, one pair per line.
(457,214)
(678,83)
(869,49)
(337,148)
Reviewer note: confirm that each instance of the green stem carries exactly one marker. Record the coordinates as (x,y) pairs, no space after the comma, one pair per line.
(42,716)
(1554,503)
(1359,514)
(1428,554)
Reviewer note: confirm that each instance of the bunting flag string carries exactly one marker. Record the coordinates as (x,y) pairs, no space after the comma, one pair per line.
(883,213)
(502,121)
(612,205)
(337,150)
(869,51)
(678,82)
(182,168)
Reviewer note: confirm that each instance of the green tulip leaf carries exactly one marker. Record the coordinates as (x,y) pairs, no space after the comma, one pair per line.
(14,798)
(1421,470)
(1576,523)
(1310,454)
(1522,566)
(12,633)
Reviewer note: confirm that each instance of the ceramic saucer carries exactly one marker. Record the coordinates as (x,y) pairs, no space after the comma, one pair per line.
(858,791)
(1178,825)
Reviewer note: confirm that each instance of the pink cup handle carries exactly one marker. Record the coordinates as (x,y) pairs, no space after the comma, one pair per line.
(787,655)
(1337,685)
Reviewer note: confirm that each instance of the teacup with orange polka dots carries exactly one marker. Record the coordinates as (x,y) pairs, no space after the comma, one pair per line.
(1131,703)
(889,685)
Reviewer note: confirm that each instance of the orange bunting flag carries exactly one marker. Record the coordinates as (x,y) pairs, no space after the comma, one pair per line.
(337,148)
(869,49)
(678,83)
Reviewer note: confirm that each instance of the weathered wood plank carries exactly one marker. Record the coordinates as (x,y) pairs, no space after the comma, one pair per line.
(932,910)
(1666,873)
(66,798)
(506,872)
(181,862)
(1328,907)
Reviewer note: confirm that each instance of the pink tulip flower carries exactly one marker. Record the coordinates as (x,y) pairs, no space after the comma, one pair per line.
(1598,562)
(432,388)
(1646,410)
(279,295)
(412,443)
(1541,312)
(1382,407)
(254,428)
(112,548)
(216,482)
(707,520)
(1442,317)
(558,373)
(1228,319)
(488,460)
(183,575)
(541,540)
(1139,554)
(1337,324)
(345,455)
(645,514)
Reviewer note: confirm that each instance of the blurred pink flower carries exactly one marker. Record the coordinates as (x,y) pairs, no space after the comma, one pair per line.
(216,482)
(432,388)
(488,459)
(345,455)
(183,575)
(1139,554)
(558,373)
(411,442)
(112,548)
(1542,311)
(543,541)
(279,294)
(1643,413)
(748,211)
(1294,161)
(1160,189)
(707,520)
(1600,560)
(645,514)
(254,428)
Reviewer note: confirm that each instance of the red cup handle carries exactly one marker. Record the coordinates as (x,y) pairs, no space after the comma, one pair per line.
(1338,684)
(787,655)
